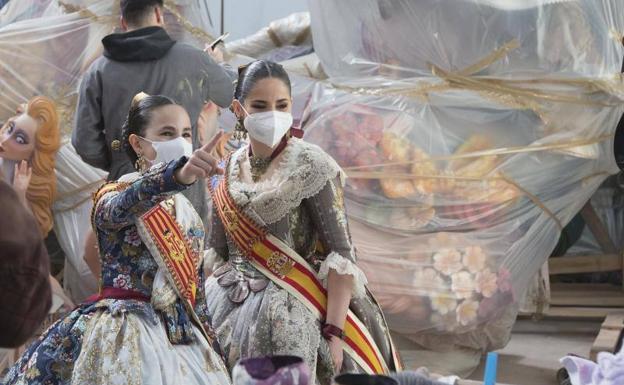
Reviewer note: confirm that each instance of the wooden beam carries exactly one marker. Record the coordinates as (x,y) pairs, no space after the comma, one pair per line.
(607,341)
(590,295)
(610,334)
(580,312)
(585,264)
(597,228)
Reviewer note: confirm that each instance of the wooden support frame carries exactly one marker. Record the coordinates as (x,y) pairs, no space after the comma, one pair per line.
(585,300)
(585,264)
(610,335)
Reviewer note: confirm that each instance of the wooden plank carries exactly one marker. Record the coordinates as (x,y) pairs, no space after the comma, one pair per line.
(585,264)
(597,228)
(580,312)
(587,295)
(585,287)
(614,322)
(607,341)
(597,301)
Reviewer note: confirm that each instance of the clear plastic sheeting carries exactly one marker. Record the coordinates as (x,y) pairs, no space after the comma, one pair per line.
(47,56)
(456,203)
(472,132)
(45,48)
(608,202)
(402,38)
(49,53)
(288,34)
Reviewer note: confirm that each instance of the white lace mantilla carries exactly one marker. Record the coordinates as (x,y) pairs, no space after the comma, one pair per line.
(303,171)
(343,266)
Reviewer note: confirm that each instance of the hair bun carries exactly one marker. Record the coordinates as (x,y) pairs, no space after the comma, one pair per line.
(137,98)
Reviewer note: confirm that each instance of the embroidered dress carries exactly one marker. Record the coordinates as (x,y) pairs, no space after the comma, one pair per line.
(300,202)
(142,333)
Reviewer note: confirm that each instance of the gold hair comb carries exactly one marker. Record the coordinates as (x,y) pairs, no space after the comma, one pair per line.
(138,97)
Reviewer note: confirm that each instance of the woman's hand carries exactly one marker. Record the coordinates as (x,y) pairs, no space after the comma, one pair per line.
(21,180)
(201,164)
(337,352)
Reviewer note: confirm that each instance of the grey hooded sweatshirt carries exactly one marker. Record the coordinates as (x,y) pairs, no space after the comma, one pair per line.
(145,60)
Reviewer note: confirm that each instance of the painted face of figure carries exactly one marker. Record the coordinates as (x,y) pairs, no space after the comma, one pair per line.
(17,140)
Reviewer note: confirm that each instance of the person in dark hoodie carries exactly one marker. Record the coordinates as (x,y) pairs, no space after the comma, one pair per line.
(144,58)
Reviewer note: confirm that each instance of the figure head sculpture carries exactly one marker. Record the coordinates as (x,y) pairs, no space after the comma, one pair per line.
(35,136)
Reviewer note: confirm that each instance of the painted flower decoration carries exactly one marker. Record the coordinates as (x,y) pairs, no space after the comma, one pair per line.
(504,280)
(486,283)
(463,284)
(446,322)
(430,281)
(443,303)
(447,262)
(474,259)
(487,308)
(467,312)
(122,281)
(439,241)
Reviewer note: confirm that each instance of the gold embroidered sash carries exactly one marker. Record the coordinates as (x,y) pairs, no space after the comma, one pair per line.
(290,271)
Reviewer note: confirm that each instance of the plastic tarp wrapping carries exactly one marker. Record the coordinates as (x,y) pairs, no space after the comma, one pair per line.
(609,206)
(472,132)
(288,34)
(46,46)
(403,38)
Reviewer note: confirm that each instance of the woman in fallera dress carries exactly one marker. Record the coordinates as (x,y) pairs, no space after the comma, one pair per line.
(285,281)
(149,323)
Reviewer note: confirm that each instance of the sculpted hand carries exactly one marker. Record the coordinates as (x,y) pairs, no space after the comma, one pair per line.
(21,180)
(201,164)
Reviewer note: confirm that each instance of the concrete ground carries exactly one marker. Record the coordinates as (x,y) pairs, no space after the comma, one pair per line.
(532,356)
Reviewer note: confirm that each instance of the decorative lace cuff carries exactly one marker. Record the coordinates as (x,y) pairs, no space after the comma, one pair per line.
(344,266)
(212,260)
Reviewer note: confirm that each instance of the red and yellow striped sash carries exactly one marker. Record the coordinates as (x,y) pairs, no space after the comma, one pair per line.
(290,271)
(180,260)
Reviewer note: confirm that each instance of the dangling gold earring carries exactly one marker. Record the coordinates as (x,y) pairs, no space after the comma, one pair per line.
(240,132)
(141,163)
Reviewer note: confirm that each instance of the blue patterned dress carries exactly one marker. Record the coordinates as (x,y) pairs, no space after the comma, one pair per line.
(129,341)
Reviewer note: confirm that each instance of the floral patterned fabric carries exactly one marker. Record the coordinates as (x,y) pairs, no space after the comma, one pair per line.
(252,316)
(127,341)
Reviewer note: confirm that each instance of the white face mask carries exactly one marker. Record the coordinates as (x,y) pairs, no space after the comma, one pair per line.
(170,150)
(268,127)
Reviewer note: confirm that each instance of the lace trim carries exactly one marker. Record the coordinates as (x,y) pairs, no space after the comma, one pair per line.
(344,266)
(303,171)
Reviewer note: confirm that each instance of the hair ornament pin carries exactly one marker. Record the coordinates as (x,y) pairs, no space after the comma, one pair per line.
(138,97)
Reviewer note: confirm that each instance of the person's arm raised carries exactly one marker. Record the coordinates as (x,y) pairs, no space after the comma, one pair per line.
(201,164)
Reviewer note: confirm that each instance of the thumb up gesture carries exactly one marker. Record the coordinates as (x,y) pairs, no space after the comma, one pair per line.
(201,164)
